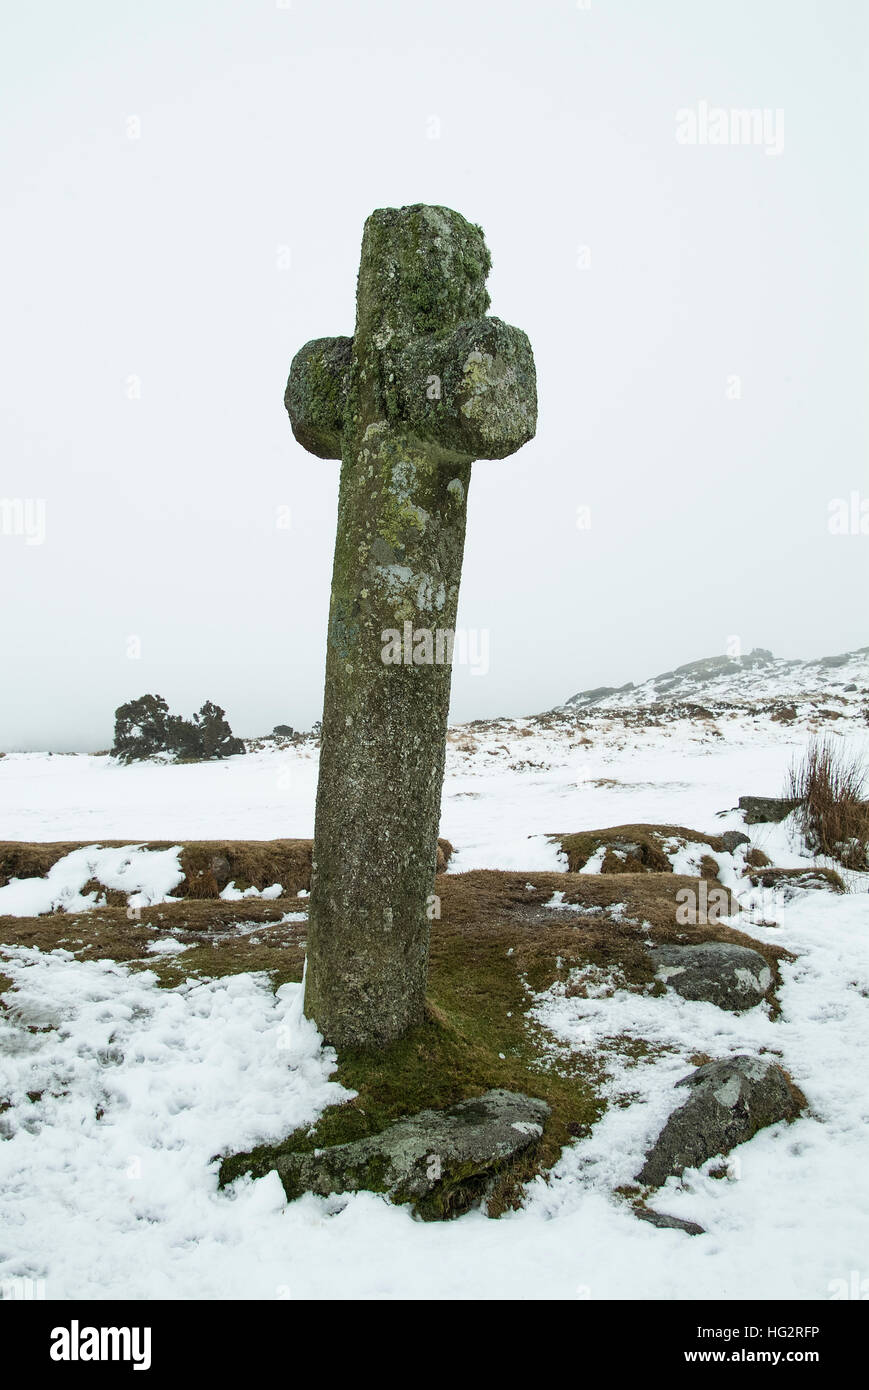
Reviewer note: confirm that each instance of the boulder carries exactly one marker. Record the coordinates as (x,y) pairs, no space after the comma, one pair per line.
(763,809)
(728,1102)
(440,1160)
(733,977)
(732,839)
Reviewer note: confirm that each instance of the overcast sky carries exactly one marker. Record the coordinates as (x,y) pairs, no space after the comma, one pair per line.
(182,196)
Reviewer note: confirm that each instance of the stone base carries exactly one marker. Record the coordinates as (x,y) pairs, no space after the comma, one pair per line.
(440,1160)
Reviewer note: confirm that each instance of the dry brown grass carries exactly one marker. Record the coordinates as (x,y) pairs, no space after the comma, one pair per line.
(646,853)
(829,783)
(756,859)
(223,938)
(814,876)
(209,865)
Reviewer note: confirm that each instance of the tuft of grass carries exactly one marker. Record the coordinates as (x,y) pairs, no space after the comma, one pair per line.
(634,849)
(756,859)
(817,876)
(829,785)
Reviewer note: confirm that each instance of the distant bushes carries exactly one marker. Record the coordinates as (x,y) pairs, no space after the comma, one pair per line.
(145,728)
(829,783)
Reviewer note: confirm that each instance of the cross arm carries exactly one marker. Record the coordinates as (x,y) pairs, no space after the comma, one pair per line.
(316,394)
(473,391)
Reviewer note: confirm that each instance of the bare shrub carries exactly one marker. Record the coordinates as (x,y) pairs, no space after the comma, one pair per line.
(829,783)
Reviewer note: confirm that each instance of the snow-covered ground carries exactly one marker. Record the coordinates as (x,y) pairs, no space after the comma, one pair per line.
(506,781)
(106,1180)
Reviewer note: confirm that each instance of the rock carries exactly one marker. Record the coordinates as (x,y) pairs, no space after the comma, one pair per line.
(669,1223)
(732,839)
(789,881)
(729,1101)
(222,870)
(733,977)
(762,809)
(440,1160)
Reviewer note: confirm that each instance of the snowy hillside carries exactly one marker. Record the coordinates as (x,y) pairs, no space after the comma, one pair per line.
(759,677)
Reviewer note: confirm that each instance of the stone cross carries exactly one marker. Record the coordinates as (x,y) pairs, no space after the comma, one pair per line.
(426,385)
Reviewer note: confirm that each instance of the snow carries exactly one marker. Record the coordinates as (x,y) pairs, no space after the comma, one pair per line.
(798,682)
(146,876)
(108,1179)
(232,894)
(127,1203)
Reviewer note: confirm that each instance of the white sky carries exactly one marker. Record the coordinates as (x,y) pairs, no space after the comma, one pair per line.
(264,127)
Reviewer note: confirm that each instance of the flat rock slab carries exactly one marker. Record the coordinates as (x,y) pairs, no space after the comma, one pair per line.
(728,1102)
(733,977)
(440,1160)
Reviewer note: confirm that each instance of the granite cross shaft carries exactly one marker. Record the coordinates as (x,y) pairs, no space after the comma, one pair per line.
(426,385)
